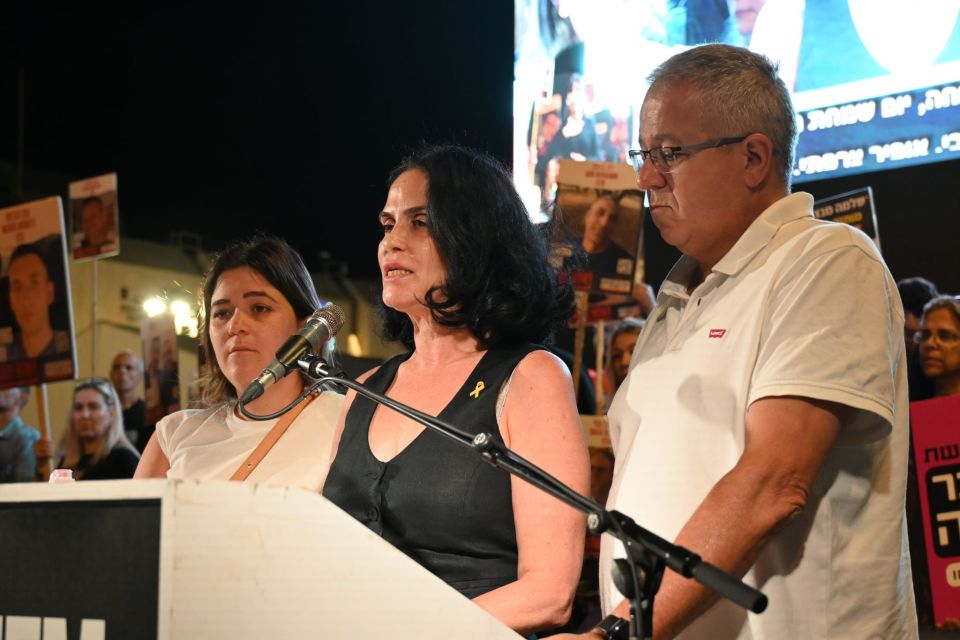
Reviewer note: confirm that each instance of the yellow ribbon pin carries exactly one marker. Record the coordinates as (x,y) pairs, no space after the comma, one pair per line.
(476,390)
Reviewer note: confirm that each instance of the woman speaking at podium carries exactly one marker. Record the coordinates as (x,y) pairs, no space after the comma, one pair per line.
(468,289)
(256,295)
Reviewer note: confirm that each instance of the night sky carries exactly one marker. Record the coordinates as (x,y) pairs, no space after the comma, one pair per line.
(284,118)
(287,118)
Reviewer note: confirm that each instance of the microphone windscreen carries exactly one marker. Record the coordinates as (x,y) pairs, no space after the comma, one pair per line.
(333,317)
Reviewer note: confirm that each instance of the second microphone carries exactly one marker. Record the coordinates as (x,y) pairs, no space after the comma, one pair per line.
(320,327)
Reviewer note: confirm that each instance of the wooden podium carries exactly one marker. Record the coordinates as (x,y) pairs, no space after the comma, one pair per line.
(186,560)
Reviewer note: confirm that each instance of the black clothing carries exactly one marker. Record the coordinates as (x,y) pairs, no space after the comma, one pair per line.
(436,501)
(585,143)
(921,387)
(134,423)
(119,464)
(604,264)
(133,418)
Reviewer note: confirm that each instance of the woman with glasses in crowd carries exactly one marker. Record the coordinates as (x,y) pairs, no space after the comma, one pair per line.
(94,445)
(939,341)
(938,346)
(469,290)
(256,295)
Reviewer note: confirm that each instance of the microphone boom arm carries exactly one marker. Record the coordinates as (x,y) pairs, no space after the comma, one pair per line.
(643,546)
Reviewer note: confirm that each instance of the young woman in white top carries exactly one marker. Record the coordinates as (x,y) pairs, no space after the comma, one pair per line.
(257,294)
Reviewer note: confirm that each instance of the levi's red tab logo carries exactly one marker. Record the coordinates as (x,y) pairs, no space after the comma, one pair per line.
(717,333)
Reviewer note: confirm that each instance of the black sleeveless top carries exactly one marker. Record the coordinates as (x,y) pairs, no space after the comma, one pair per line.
(436,501)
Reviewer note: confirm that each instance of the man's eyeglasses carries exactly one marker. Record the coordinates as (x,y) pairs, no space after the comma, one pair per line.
(943,336)
(664,159)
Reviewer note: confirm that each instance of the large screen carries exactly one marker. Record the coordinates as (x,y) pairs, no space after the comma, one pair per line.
(875,83)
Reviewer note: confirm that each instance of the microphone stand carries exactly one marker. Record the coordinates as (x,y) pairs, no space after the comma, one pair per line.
(648,555)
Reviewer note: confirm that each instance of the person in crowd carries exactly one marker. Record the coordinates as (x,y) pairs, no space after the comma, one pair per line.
(551,176)
(256,295)
(763,423)
(939,341)
(577,138)
(18,462)
(126,374)
(915,293)
(622,342)
(469,290)
(549,126)
(586,610)
(31,294)
(169,375)
(94,444)
(586,604)
(618,351)
(601,473)
(161,379)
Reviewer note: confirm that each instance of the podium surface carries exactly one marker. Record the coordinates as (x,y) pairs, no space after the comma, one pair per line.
(183,559)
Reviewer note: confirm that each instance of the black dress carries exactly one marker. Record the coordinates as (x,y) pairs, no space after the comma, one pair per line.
(436,501)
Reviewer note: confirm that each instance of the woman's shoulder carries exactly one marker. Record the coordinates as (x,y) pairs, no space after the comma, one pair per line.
(179,417)
(539,361)
(539,374)
(186,419)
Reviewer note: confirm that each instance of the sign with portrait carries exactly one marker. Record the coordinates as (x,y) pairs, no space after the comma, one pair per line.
(597,431)
(602,211)
(161,374)
(854,208)
(36,318)
(95,217)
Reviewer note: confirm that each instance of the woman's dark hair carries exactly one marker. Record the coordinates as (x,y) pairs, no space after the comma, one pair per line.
(282,267)
(499,282)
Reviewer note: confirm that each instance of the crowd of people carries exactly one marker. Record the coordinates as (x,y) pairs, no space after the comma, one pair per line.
(760,417)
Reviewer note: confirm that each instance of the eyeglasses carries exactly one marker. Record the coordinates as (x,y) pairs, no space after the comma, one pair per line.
(101,384)
(943,336)
(664,159)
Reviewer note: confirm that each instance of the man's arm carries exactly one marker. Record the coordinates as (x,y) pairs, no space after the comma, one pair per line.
(787,441)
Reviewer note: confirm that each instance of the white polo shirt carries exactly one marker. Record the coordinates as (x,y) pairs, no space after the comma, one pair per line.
(797,307)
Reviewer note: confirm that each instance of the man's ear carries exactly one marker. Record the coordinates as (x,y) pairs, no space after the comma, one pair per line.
(759,159)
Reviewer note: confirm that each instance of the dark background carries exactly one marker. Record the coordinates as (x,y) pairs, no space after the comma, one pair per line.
(287,118)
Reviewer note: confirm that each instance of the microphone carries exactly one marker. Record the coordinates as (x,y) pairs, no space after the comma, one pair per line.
(320,327)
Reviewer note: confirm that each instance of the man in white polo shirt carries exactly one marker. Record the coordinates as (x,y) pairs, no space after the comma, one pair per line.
(763,424)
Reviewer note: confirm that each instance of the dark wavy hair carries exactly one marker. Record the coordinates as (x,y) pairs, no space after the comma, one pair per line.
(282,267)
(499,283)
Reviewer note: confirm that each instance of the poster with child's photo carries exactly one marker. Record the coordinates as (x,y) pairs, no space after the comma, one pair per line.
(161,376)
(95,217)
(36,320)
